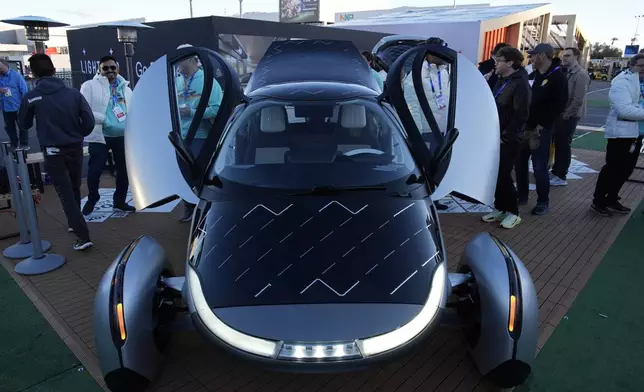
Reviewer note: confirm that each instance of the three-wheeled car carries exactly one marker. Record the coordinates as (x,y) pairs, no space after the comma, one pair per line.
(315,245)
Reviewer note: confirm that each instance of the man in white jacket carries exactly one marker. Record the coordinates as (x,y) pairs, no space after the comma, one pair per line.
(108,95)
(624,127)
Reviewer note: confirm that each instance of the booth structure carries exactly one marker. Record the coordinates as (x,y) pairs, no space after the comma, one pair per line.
(241,41)
(565,32)
(473,30)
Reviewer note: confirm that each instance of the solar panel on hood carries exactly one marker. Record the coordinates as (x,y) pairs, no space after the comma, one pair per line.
(312,61)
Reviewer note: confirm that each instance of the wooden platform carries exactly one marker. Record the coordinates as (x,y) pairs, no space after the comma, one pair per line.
(561,250)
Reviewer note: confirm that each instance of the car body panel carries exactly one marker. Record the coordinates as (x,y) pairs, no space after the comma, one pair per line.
(307,250)
(152,165)
(318,322)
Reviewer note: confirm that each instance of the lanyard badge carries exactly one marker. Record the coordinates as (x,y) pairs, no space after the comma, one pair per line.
(440,99)
(116,108)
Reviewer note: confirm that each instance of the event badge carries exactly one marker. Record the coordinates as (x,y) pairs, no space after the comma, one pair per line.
(118,112)
(440,101)
(52,151)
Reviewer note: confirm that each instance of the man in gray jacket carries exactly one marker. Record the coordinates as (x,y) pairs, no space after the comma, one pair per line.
(578,82)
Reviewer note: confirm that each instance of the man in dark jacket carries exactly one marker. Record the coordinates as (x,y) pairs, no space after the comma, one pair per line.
(64,118)
(512,94)
(549,98)
(488,66)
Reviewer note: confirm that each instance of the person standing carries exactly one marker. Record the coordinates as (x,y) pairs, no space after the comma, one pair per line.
(578,82)
(488,66)
(64,118)
(368,57)
(109,95)
(12,89)
(512,95)
(549,98)
(189,86)
(624,130)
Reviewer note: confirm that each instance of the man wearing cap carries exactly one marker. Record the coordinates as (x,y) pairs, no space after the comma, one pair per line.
(549,99)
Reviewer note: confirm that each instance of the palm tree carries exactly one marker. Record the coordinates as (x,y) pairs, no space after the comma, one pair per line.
(612,41)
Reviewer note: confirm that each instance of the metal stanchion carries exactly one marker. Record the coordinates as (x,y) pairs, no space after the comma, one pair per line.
(23,248)
(39,262)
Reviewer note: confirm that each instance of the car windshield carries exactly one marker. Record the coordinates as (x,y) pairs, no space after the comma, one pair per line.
(309,144)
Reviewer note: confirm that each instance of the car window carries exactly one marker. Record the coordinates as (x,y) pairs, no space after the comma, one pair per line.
(301,145)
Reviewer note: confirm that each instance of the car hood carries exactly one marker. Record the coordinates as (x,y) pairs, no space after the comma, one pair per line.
(316,250)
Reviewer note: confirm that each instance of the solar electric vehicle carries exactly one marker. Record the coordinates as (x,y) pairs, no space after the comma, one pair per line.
(315,245)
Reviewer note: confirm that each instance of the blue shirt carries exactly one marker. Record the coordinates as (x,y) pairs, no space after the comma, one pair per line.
(17,86)
(641,123)
(189,91)
(378,78)
(111,125)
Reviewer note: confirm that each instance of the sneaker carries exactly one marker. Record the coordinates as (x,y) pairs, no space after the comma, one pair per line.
(494,216)
(124,207)
(618,208)
(510,221)
(557,181)
(88,208)
(540,209)
(599,210)
(70,230)
(81,245)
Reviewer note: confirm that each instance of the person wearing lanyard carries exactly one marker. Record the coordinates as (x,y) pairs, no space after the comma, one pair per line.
(108,94)
(624,130)
(189,85)
(512,95)
(549,99)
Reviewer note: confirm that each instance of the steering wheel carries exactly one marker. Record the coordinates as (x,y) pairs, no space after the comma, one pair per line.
(359,151)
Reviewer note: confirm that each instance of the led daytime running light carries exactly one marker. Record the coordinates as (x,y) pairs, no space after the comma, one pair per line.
(407,332)
(241,341)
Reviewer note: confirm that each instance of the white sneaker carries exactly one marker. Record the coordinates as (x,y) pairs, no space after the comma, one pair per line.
(510,221)
(556,181)
(494,216)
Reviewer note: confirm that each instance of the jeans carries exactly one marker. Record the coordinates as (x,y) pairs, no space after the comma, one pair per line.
(65,168)
(564,129)
(540,166)
(621,159)
(505,196)
(11,127)
(98,153)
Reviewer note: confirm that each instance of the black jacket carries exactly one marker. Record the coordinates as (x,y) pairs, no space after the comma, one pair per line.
(513,96)
(63,116)
(549,97)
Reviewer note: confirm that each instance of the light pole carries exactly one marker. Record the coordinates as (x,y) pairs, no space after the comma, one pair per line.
(36,28)
(637,26)
(127,33)
(190,8)
(240,8)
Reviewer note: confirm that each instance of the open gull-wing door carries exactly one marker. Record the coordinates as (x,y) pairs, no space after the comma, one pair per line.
(449,114)
(178,112)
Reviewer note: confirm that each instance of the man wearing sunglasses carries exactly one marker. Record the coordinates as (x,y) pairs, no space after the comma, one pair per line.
(108,95)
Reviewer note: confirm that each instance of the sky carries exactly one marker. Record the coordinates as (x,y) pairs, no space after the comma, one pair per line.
(600,21)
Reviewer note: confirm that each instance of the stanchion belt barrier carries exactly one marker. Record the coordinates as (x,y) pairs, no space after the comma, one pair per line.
(30,247)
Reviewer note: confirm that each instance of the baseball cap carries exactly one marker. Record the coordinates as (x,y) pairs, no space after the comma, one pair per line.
(543,48)
(183,46)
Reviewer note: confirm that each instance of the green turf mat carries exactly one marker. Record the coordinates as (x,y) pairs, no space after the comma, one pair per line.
(31,352)
(599,346)
(591,141)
